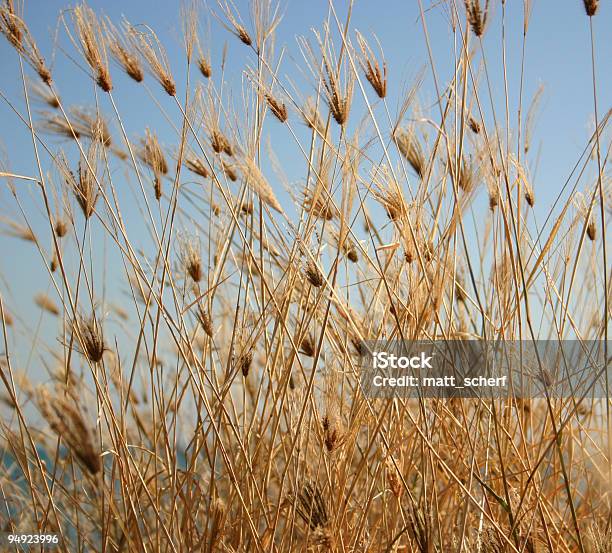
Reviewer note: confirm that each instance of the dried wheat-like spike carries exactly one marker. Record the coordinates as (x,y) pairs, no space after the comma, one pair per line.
(336,79)
(529,196)
(389,194)
(236,27)
(197,166)
(590,6)
(393,477)
(92,125)
(493,198)
(91,337)
(477,18)
(83,123)
(190,257)
(46,304)
(317,199)
(311,117)
(334,434)
(57,124)
(150,48)
(44,95)
(203,59)
(582,206)
(189,23)
(307,346)
(218,513)
(313,274)
(8,319)
(67,421)
(86,189)
(531,116)
(410,147)
(229,171)
(244,361)
(18,34)
(220,143)
(474,125)
(591,230)
(122,46)
(318,202)
(375,75)
(11,24)
(339,99)
(205,320)
(339,104)
(258,183)
(91,43)
(467,177)
(524,182)
(84,186)
(17,230)
(310,506)
(278,109)
(204,66)
(247,207)
(153,155)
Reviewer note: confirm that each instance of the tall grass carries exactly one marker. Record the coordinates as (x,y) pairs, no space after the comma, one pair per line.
(201,390)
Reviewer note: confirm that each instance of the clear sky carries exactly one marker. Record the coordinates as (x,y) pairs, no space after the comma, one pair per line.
(558,57)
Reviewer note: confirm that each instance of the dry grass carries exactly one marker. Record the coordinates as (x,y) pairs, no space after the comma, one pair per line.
(190,378)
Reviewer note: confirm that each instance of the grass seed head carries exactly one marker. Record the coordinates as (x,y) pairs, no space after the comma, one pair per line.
(307,346)
(85,186)
(319,204)
(590,6)
(229,171)
(205,320)
(278,109)
(244,362)
(67,421)
(91,43)
(311,117)
(152,51)
(477,17)
(236,27)
(220,143)
(374,73)
(152,154)
(310,506)
(591,230)
(337,81)
(44,95)
(197,166)
(474,125)
(18,35)
(8,319)
(467,177)
(258,183)
(410,147)
(45,303)
(122,46)
(92,338)
(204,66)
(313,274)
(190,257)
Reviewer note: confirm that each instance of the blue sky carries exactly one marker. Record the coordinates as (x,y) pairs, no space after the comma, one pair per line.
(558,57)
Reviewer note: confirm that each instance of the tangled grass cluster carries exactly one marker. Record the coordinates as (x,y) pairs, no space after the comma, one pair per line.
(201,389)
